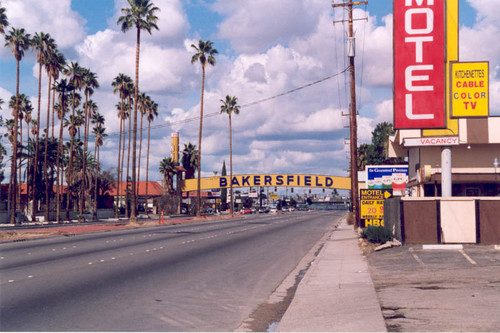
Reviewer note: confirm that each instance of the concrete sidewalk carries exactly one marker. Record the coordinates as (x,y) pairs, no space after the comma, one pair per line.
(337,292)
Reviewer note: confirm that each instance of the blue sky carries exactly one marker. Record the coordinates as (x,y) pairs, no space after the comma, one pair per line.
(265,48)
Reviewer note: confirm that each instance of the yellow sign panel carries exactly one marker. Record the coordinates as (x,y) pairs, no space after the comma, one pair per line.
(451,55)
(318,181)
(372,206)
(469,89)
(273,196)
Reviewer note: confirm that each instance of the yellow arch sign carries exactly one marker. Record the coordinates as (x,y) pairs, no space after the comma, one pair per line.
(289,180)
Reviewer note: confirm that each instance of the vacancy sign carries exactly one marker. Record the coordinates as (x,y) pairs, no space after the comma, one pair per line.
(469,89)
(429,141)
(419,64)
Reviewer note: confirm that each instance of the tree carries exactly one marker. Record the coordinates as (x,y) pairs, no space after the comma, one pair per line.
(121,84)
(142,15)
(44,46)
(377,152)
(54,64)
(89,83)
(204,53)
(151,114)
(4,23)
(62,88)
(143,102)
(168,170)
(223,191)
(99,133)
(19,40)
(189,160)
(230,106)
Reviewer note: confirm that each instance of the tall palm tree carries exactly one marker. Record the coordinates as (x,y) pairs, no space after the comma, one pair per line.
(121,85)
(45,46)
(204,53)
(19,40)
(230,106)
(4,23)
(151,114)
(54,64)
(168,170)
(89,83)
(62,88)
(144,103)
(99,133)
(142,15)
(75,74)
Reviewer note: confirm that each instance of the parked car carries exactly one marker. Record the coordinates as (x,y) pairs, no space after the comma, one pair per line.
(246,211)
(273,210)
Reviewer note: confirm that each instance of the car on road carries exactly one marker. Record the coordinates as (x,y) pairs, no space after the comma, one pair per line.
(273,210)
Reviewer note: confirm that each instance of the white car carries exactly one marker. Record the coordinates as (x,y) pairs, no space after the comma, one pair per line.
(273,210)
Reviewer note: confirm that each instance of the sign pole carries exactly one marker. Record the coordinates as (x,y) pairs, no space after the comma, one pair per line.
(446,171)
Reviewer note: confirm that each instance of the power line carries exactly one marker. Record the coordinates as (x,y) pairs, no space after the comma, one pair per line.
(187,120)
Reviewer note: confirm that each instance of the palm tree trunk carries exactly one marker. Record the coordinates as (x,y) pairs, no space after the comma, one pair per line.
(69,179)
(147,162)
(198,197)
(117,208)
(13,169)
(45,173)
(133,217)
(128,162)
(96,184)
(140,152)
(58,179)
(19,166)
(83,189)
(231,166)
(35,169)
(124,191)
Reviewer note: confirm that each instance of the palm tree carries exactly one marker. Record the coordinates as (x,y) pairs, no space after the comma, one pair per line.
(45,46)
(230,106)
(189,160)
(99,134)
(62,88)
(144,103)
(204,54)
(168,170)
(54,64)
(89,83)
(151,114)
(121,85)
(75,73)
(19,40)
(4,23)
(140,14)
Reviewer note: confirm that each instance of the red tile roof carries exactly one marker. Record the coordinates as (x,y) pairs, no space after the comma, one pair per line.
(154,189)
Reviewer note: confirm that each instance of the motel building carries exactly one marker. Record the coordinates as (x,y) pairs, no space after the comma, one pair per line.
(475,159)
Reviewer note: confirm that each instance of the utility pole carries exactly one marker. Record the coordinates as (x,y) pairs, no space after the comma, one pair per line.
(353,129)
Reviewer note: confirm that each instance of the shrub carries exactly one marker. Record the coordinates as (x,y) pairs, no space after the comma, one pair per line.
(376,234)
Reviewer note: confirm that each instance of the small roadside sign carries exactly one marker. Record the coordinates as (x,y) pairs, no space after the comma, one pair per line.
(372,206)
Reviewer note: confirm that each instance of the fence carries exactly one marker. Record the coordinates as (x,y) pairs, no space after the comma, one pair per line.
(444,220)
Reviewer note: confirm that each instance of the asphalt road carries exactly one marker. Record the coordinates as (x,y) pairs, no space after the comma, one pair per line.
(205,276)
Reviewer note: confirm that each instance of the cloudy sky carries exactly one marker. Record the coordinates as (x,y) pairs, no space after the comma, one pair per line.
(266,48)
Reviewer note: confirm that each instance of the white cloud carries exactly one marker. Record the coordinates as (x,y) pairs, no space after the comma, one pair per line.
(54,17)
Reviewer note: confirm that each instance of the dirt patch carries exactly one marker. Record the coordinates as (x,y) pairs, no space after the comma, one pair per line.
(367,247)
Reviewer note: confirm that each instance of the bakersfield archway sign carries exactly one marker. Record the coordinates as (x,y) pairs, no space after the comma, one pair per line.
(282,180)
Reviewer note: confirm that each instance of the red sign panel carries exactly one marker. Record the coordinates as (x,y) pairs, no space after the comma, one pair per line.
(419,64)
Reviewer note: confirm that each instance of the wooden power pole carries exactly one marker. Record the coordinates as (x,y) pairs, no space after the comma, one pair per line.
(353,128)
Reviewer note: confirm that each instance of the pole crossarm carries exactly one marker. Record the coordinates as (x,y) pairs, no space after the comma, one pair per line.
(273,180)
